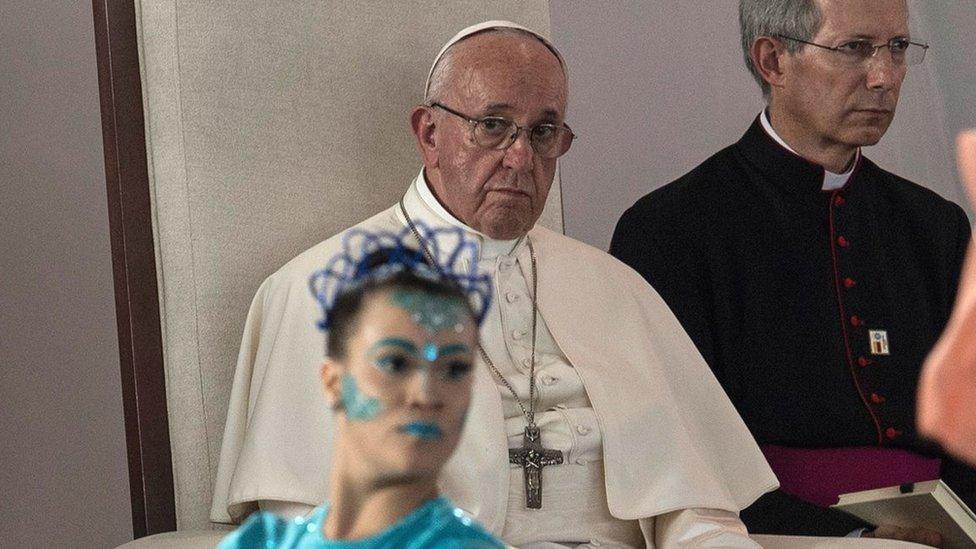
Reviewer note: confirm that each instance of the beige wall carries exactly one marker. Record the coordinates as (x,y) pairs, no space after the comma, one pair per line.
(63,471)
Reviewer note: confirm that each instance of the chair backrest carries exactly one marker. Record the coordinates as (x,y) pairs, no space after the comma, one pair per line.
(269,127)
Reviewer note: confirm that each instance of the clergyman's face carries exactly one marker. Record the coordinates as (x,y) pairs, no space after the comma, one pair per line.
(838,103)
(405,383)
(500,193)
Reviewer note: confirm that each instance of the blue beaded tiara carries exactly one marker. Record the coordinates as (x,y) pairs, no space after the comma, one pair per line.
(375,256)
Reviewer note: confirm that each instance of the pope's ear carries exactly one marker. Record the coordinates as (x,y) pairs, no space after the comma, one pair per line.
(330,374)
(768,57)
(422,124)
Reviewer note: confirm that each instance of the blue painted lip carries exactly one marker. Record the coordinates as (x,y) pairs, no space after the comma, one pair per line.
(424,430)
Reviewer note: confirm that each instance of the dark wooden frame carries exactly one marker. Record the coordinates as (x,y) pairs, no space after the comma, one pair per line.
(134,266)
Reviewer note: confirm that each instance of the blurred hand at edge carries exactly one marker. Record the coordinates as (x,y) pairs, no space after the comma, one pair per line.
(947,387)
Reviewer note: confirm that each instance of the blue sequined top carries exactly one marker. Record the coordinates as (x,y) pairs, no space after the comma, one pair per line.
(435,524)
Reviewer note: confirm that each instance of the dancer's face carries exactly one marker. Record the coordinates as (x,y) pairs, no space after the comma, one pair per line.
(403,387)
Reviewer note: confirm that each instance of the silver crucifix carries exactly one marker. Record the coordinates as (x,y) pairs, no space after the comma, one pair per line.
(532,457)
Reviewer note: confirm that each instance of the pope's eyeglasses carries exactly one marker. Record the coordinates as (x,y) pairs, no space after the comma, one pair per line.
(495,132)
(858,52)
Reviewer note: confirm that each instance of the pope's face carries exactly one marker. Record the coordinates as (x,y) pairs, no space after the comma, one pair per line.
(405,384)
(837,103)
(500,193)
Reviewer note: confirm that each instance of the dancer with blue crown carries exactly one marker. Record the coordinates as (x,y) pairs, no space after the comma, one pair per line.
(401,335)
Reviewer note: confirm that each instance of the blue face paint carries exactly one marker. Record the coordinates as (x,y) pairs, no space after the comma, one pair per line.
(399,356)
(399,342)
(424,430)
(459,348)
(430,352)
(393,361)
(359,407)
(432,313)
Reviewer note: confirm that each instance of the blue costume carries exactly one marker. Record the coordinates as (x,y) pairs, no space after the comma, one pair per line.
(435,524)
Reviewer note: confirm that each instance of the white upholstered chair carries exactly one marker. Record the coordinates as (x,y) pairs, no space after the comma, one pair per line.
(270,126)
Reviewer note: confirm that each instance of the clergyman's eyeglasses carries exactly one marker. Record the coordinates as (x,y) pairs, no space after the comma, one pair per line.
(495,132)
(858,52)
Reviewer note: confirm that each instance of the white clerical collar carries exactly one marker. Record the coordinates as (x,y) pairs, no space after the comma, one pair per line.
(490,247)
(832,181)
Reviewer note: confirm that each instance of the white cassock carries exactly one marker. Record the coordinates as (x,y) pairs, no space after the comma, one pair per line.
(654,452)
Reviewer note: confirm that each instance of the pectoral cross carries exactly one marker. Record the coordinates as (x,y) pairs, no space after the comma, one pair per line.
(532,457)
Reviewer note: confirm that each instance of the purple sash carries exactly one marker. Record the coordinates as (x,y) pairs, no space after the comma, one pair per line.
(820,475)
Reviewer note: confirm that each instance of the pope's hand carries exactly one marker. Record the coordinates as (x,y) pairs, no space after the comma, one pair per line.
(947,388)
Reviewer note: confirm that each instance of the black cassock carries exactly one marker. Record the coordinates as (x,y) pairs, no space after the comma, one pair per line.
(781,284)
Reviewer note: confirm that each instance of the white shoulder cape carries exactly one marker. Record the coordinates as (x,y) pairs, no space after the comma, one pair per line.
(672,439)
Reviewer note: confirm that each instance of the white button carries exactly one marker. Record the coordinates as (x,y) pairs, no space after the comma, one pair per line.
(583,430)
(548,380)
(517,334)
(581,461)
(512,297)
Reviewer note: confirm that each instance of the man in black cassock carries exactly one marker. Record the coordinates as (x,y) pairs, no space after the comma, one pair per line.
(813,281)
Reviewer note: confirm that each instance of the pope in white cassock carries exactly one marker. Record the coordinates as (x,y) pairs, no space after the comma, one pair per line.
(593,417)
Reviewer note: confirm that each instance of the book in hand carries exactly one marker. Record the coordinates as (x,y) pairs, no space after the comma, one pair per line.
(929,504)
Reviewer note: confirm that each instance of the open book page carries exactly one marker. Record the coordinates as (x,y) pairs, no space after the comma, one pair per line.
(929,504)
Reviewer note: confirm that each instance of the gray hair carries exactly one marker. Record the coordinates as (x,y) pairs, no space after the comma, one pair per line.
(796,18)
(440,74)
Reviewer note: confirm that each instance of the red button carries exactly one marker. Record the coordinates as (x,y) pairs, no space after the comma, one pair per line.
(849,282)
(839,200)
(856,321)
(842,242)
(892,433)
(876,398)
(862,362)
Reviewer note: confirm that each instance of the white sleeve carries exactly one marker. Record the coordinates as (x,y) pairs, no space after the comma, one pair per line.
(285,509)
(704,528)
(278,434)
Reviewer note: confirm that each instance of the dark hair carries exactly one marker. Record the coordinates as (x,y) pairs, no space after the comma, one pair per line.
(345,312)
